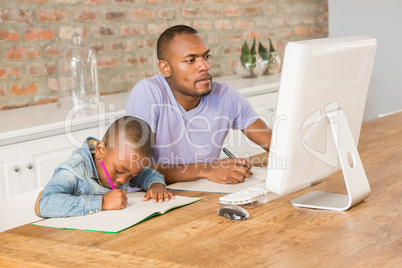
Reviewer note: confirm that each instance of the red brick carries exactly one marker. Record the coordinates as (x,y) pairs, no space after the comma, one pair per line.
(252,35)
(48,15)
(16,72)
(15,15)
(99,31)
(167,13)
(300,30)
(203,25)
(2,93)
(124,1)
(149,43)
(242,24)
(39,34)
(269,9)
(122,45)
(10,36)
(93,2)
(18,53)
(40,69)
(156,28)
(85,16)
(142,14)
(107,62)
(116,15)
(212,12)
(32,1)
(137,29)
(293,20)
(9,107)
(24,90)
(285,32)
(234,37)
(191,12)
(4,72)
(66,32)
(130,60)
(215,38)
(98,48)
(251,11)
(52,50)
(223,25)
(315,30)
(232,11)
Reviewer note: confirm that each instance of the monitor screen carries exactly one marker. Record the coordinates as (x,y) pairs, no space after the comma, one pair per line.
(319,77)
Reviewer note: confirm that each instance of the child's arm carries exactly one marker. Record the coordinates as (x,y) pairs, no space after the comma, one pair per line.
(154,183)
(60,199)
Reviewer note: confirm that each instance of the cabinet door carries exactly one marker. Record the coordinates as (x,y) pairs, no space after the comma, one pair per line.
(40,157)
(10,183)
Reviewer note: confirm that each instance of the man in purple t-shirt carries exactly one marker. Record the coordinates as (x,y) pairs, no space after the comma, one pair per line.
(190,115)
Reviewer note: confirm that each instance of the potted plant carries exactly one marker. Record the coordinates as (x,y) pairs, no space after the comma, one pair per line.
(271,60)
(251,63)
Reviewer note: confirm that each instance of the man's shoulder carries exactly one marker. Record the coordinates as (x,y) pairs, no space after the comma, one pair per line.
(155,82)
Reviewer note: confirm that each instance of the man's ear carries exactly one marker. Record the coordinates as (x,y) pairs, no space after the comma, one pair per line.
(164,67)
(100,149)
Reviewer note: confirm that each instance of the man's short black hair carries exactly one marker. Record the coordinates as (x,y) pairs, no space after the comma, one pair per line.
(167,37)
(131,132)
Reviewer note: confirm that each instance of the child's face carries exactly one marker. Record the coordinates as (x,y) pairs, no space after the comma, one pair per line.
(121,168)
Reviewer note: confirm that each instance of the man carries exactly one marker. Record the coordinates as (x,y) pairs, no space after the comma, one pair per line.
(190,115)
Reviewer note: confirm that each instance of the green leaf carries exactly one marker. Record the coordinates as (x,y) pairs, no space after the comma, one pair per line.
(253,48)
(245,54)
(264,53)
(271,47)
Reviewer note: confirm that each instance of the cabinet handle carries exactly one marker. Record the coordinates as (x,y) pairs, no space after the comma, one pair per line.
(29,166)
(15,168)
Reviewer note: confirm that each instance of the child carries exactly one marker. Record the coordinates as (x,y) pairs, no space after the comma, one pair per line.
(80,185)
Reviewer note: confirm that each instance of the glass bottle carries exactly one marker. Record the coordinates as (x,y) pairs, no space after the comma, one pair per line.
(77,76)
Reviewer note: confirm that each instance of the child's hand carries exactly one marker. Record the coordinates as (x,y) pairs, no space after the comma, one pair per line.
(157,192)
(115,199)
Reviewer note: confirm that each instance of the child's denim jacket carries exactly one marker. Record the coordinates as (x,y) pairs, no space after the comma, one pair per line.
(74,189)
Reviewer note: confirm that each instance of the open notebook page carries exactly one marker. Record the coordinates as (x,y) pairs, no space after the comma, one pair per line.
(114,221)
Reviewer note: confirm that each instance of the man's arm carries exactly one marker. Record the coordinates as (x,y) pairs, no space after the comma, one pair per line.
(259,133)
(228,170)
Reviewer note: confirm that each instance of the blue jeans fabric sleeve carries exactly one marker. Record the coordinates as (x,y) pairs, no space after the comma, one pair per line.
(146,178)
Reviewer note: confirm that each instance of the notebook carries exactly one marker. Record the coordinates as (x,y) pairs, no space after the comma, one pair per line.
(204,185)
(115,221)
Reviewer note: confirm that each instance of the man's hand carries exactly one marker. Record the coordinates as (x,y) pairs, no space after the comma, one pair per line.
(115,199)
(228,170)
(158,193)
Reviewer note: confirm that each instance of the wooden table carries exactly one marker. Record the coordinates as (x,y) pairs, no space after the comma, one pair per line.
(276,234)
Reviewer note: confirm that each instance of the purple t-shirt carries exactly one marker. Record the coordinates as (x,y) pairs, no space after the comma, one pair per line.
(194,136)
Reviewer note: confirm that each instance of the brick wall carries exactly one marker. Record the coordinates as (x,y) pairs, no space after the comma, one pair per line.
(124,32)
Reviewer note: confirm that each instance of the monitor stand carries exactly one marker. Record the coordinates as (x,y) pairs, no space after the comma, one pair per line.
(355,178)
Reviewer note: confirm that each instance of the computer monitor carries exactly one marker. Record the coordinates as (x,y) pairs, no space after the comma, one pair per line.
(321,102)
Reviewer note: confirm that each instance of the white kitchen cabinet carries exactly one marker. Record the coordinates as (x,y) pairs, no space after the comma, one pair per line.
(10,179)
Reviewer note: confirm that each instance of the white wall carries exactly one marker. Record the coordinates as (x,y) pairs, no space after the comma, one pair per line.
(383,20)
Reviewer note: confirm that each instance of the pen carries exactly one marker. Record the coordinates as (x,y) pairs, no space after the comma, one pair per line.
(107,175)
(229,154)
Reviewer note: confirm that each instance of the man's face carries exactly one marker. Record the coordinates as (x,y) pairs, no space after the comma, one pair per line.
(189,61)
(121,169)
